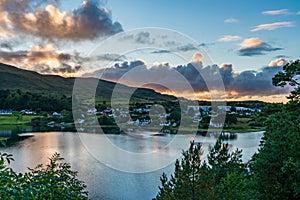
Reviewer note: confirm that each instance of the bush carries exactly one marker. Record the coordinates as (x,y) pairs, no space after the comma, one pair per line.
(53,181)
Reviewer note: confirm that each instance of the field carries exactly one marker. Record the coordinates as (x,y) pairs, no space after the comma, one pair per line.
(16,119)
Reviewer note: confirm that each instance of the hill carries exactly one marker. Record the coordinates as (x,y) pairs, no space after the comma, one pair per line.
(13,78)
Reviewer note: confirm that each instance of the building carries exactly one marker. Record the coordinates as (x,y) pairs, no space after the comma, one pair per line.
(5,111)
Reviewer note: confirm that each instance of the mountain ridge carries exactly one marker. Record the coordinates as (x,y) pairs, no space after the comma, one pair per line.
(14,78)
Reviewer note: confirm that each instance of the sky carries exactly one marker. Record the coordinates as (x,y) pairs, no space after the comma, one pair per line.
(245,42)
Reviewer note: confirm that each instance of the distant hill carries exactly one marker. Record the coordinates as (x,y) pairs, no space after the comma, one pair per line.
(13,78)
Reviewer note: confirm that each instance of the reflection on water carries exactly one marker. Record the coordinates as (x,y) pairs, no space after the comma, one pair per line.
(102,181)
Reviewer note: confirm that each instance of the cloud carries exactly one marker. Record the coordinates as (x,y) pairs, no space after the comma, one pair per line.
(178,48)
(197,58)
(229,38)
(254,47)
(272,26)
(143,38)
(66,69)
(43,59)
(186,47)
(44,19)
(278,62)
(253,83)
(298,13)
(237,85)
(231,20)
(276,12)
(161,51)
(282,56)
(6,45)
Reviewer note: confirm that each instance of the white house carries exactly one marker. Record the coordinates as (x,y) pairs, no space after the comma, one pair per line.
(6,112)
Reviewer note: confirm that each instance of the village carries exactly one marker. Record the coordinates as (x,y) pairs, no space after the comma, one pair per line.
(139,116)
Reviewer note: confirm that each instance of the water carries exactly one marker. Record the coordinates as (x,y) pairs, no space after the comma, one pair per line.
(104,182)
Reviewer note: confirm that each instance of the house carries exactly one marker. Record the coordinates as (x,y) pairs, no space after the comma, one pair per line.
(224,108)
(196,109)
(27,112)
(5,111)
(167,123)
(215,124)
(124,113)
(56,114)
(108,112)
(92,111)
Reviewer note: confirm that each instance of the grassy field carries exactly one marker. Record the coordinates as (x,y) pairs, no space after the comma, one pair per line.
(243,126)
(16,119)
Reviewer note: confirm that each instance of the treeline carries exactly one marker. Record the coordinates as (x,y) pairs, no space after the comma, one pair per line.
(18,100)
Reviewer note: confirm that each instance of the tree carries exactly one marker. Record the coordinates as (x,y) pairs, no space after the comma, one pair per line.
(276,166)
(289,76)
(232,109)
(230,119)
(183,184)
(53,181)
(223,177)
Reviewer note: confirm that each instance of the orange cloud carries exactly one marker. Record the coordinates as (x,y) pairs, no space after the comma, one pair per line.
(85,23)
(197,58)
(43,59)
(255,46)
(278,62)
(251,42)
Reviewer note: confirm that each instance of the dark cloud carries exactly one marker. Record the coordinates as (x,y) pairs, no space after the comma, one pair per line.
(45,20)
(109,57)
(282,56)
(178,48)
(247,83)
(255,46)
(66,69)
(206,44)
(226,71)
(7,56)
(162,51)
(44,69)
(144,38)
(258,50)
(7,46)
(187,47)
(252,83)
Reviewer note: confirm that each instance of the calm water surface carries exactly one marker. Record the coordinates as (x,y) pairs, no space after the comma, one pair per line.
(104,182)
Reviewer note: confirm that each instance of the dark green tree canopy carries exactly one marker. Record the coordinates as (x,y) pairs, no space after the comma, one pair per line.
(290,75)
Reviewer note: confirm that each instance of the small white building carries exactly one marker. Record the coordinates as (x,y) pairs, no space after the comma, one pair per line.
(5,111)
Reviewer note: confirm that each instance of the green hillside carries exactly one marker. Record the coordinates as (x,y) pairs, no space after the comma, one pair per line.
(13,78)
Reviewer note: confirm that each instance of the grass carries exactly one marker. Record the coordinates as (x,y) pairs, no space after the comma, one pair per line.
(16,119)
(242,126)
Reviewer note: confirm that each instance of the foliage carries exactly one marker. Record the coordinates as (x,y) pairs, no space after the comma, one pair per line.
(289,76)
(276,166)
(230,119)
(53,181)
(19,100)
(224,176)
